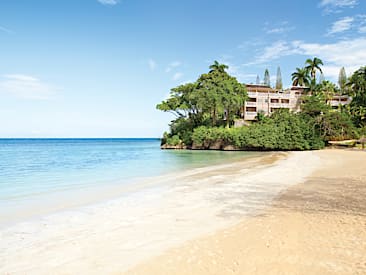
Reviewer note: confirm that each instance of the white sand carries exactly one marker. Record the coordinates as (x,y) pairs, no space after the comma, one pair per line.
(115,235)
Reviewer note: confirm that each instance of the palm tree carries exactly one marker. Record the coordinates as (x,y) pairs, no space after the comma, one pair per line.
(327,90)
(313,65)
(216,66)
(301,77)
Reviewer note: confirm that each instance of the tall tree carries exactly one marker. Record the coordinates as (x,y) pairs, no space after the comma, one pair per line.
(342,79)
(313,65)
(258,81)
(326,90)
(216,66)
(357,90)
(279,85)
(267,79)
(300,77)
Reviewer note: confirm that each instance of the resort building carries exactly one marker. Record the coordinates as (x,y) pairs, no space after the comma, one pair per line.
(264,99)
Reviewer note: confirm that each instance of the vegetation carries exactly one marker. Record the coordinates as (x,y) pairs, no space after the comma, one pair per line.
(267,78)
(301,77)
(206,109)
(279,85)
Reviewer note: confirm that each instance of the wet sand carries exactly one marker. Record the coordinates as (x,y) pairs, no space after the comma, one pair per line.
(315,227)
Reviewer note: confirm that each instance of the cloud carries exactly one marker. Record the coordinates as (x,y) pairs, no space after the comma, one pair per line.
(339,3)
(348,53)
(177,76)
(173,65)
(26,87)
(109,2)
(280,28)
(336,6)
(276,50)
(152,64)
(3,29)
(341,25)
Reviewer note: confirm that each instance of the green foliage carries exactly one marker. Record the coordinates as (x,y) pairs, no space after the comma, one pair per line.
(279,85)
(313,65)
(314,105)
(174,140)
(282,131)
(301,77)
(357,89)
(205,107)
(326,90)
(336,126)
(267,78)
(215,98)
(342,79)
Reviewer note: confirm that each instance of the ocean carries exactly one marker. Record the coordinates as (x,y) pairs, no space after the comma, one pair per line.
(39,176)
(100,206)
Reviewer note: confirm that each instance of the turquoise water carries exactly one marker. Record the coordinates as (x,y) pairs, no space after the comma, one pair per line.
(32,169)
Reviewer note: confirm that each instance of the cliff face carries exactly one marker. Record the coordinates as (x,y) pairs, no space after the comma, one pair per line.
(217,145)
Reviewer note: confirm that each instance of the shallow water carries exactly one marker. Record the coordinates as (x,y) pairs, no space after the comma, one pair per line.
(40,176)
(114,234)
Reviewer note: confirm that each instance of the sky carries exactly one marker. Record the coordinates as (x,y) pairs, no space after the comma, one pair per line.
(97,68)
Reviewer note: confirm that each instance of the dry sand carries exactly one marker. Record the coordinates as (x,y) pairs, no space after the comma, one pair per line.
(317,227)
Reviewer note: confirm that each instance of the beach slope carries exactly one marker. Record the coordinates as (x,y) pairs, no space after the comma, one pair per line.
(316,227)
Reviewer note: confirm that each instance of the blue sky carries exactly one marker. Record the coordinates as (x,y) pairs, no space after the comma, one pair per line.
(89,68)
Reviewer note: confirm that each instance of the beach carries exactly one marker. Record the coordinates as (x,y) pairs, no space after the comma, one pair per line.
(281,213)
(315,227)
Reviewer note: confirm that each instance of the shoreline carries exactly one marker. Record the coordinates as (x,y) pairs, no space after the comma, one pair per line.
(314,227)
(112,236)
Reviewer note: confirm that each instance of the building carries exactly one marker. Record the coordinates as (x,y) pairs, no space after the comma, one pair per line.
(266,100)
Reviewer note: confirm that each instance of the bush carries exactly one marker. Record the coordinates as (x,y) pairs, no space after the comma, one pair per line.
(282,131)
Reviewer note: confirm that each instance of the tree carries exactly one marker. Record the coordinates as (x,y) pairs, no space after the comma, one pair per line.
(327,90)
(214,98)
(301,77)
(267,79)
(357,90)
(258,81)
(342,79)
(279,79)
(313,65)
(216,66)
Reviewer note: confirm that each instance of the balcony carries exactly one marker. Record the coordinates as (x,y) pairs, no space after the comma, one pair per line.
(251,103)
(280,105)
(250,115)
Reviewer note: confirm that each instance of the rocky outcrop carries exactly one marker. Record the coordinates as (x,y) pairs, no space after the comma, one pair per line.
(173,147)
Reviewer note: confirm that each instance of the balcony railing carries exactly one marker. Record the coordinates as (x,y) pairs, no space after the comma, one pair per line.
(251,103)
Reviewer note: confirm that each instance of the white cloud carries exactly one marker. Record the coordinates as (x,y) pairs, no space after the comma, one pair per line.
(272,52)
(177,76)
(336,6)
(362,29)
(339,3)
(152,64)
(341,25)
(26,87)
(109,2)
(280,28)
(348,53)
(173,65)
(3,29)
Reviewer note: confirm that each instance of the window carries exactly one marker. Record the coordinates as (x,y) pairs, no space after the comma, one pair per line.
(251,109)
